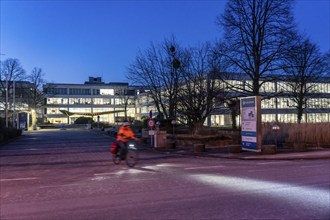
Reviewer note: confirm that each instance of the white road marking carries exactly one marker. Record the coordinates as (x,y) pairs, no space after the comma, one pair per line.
(312,166)
(56,186)
(18,179)
(205,167)
(101,174)
(270,162)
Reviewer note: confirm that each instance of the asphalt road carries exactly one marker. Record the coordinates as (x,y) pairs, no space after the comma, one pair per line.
(68,174)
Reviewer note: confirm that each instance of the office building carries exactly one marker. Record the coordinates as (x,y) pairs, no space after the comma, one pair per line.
(108,102)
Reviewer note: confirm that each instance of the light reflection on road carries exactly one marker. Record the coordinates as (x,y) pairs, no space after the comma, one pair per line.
(305,195)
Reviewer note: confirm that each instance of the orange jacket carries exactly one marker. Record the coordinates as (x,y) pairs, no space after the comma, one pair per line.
(125,133)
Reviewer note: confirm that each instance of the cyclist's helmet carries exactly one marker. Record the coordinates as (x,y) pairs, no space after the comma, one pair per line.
(126,124)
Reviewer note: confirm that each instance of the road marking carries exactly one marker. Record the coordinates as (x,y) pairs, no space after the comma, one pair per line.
(312,166)
(101,174)
(56,186)
(270,162)
(207,167)
(18,179)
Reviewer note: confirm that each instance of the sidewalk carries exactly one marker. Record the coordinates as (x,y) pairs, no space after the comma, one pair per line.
(223,152)
(322,153)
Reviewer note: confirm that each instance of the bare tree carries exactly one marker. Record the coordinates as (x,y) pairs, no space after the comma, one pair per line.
(327,73)
(157,69)
(199,86)
(11,70)
(327,61)
(231,82)
(305,67)
(36,97)
(127,98)
(256,33)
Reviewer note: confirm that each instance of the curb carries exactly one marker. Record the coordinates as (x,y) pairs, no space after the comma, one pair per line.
(308,155)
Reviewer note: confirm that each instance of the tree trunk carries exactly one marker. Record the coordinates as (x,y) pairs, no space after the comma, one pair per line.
(233,119)
(299,115)
(197,127)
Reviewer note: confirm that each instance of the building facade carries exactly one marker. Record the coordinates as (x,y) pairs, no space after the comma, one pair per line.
(108,102)
(281,107)
(15,103)
(105,102)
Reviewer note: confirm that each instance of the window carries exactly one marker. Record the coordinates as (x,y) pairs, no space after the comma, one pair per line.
(57,101)
(79,91)
(96,92)
(106,91)
(268,87)
(57,91)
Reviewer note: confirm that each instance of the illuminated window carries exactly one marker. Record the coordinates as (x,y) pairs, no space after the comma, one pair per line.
(107,91)
(268,87)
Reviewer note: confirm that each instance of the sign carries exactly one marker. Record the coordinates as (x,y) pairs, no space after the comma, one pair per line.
(151,123)
(23,120)
(251,123)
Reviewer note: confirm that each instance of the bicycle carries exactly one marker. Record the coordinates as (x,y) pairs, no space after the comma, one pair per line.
(130,155)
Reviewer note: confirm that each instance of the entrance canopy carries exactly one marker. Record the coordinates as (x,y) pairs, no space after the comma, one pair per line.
(68,114)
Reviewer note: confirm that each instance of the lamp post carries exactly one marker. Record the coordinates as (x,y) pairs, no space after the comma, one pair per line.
(173,122)
(276,128)
(157,126)
(175,65)
(6,91)
(6,104)
(14,105)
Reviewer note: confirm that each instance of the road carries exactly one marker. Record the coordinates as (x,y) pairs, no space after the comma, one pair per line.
(68,174)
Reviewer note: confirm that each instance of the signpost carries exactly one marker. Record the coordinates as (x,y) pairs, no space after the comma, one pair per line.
(251,123)
(151,124)
(98,121)
(23,120)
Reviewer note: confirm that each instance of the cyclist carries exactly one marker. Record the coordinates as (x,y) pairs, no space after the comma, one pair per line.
(124,134)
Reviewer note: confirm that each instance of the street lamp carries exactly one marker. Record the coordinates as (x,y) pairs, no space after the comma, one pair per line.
(6,103)
(173,122)
(275,129)
(14,105)
(157,126)
(6,90)
(176,65)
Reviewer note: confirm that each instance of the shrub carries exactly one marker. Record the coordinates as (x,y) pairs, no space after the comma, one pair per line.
(1,137)
(204,138)
(12,132)
(84,120)
(19,132)
(9,133)
(313,133)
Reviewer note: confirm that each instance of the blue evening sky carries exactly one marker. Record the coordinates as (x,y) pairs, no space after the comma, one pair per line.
(72,40)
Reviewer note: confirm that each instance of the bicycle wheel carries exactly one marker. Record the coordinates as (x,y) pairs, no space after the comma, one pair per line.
(131,158)
(116,159)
